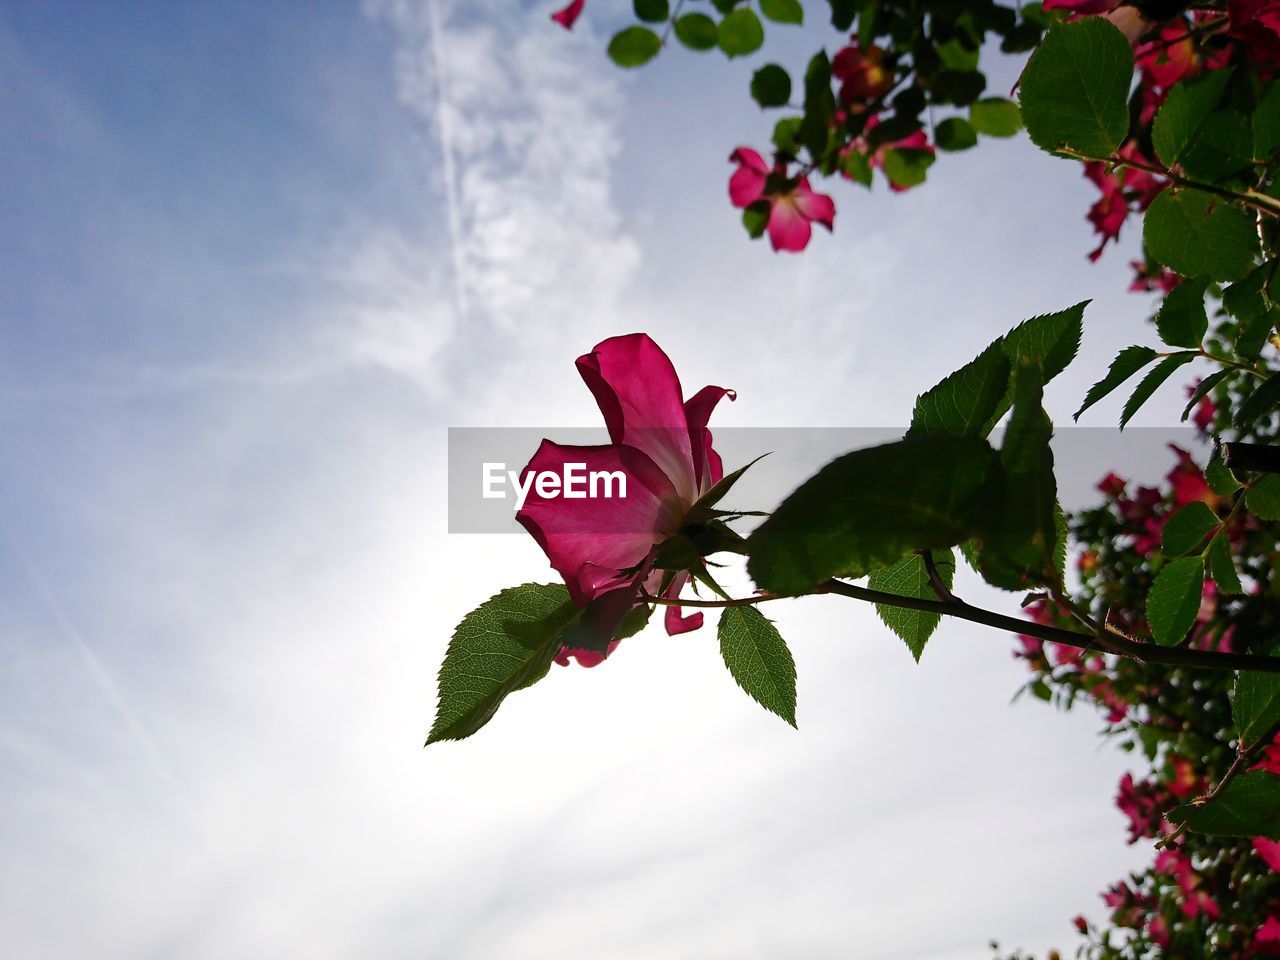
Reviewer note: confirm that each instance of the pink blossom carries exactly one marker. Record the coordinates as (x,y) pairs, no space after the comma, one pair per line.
(1205,410)
(569,15)
(1143,804)
(1188,481)
(863,74)
(1149,278)
(1267,939)
(1111,485)
(793,205)
(914,141)
(1123,189)
(1269,851)
(1158,931)
(1184,782)
(1256,24)
(604,547)
(1082,7)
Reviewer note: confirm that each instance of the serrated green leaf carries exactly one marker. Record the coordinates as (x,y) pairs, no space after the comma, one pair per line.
(1202,389)
(1221,480)
(964,403)
(1249,806)
(1182,319)
(1184,111)
(1224,147)
(955,134)
(819,105)
(740,33)
(1196,233)
(783,11)
(995,117)
(759,660)
(1256,705)
(1264,399)
(1075,89)
(1186,530)
(697,31)
(869,508)
(1174,600)
(1222,568)
(1151,382)
(1129,361)
(909,577)
(771,86)
(634,47)
(1263,497)
(1052,339)
(1266,124)
(504,645)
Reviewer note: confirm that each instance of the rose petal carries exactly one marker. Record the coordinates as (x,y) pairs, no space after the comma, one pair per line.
(788,228)
(674,622)
(707,467)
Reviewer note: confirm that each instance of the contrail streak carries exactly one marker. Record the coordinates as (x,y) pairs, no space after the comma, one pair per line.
(445,125)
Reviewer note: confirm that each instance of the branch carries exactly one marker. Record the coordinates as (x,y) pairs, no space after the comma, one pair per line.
(1257,457)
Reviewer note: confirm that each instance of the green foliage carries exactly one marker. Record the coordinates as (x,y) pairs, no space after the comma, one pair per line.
(1151,382)
(1075,90)
(755,218)
(1183,113)
(505,644)
(909,577)
(1129,361)
(1186,530)
(1174,600)
(1195,233)
(1249,806)
(740,33)
(869,508)
(1182,319)
(783,11)
(1204,387)
(697,31)
(771,86)
(966,401)
(955,134)
(1260,403)
(995,117)
(1224,147)
(1222,568)
(651,11)
(1266,124)
(1263,498)
(907,166)
(759,660)
(634,46)
(1256,705)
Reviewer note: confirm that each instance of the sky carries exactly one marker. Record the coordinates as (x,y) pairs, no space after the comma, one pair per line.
(254,263)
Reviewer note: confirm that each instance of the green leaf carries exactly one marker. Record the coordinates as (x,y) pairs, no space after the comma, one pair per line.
(1266,124)
(786,135)
(955,134)
(1194,233)
(1019,531)
(1224,147)
(870,507)
(634,47)
(771,86)
(1249,806)
(1202,389)
(1052,339)
(909,577)
(1075,90)
(1182,320)
(718,491)
(505,644)
(1256,705)
(856,167)
(783,11)
(907,166)
(995,117)
(1125,365)
(819,105)
(1184,111)
(1174,600)
(1149,384)
(758,659)
(651,11)
(1260,403)
(1221,480)
(964,403)
(697,31)
(1222,568)
(740,33)
(1187,529)
(755,218)
(1263,498)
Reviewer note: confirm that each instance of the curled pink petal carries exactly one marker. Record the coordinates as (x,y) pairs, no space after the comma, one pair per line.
(589,540)
(639,394)
(788,228)
(746,186)
(674,622)
(817,207)
(569,15)
(707,467)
